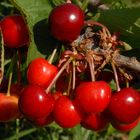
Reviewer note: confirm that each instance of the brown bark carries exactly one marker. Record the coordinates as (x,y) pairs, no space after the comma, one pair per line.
(128,62)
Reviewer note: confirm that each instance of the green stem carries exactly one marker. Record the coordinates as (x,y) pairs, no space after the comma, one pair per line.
(9,84)
(52,55)
(17,129)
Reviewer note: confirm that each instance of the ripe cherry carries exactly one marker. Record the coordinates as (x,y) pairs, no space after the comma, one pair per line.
(93,97)
(16,89)
(8,108)
(66,22)
(125,127)
(124,105)
(95,122)
(41,72)
(65,113)
(34,103)
(41,122)
(15,31)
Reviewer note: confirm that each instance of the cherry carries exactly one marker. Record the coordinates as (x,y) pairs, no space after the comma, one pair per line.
(66,22)
(62,83)
(106,76)
(34,103)
(66,113)
(16,89)
(41,72)
(41,122)
(125,127)
(93,97)
(15,31)
(95,122)
(124,105)
(8,108)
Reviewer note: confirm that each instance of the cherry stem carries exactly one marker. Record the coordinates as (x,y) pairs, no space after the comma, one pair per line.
(17,128)
(52,55)
(90,22)
(9,84)
(73,76)
(92,68)
(69,84)
(68,1)
(127,82)
(18,66)
(58,74)
(116,76)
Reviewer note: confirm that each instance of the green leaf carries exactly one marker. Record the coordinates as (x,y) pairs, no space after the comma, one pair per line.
(126,21)
(36,13)
(134,133)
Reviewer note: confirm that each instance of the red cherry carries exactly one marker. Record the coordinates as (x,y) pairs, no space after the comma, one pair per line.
(124,105)
(8,108)
(41,122)
(65,113)
(125,127)
(34,103)
(106,76)
(40,72)
(66,22)
(93,97)
(16,89)
(95,122)
(62,83)
(15,31)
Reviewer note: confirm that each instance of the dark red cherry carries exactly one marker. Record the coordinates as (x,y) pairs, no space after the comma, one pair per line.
(14,30)
(65,113)
(34,103)
(124,105)
(95,122)
(125,127)
(66,22)
(93,97)
(42,122)
(41,72)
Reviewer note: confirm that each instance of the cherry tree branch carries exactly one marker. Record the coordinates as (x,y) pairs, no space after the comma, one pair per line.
(128,62)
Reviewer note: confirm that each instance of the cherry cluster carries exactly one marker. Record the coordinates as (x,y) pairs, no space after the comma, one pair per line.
(68,93)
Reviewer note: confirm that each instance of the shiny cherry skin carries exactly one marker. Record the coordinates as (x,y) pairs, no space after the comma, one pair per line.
(65,113)
(41,72)
(8,108)
(93,97)
(95,122)
(66,22)
(14,30)
(124,105)
(125,127)
(34,103)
